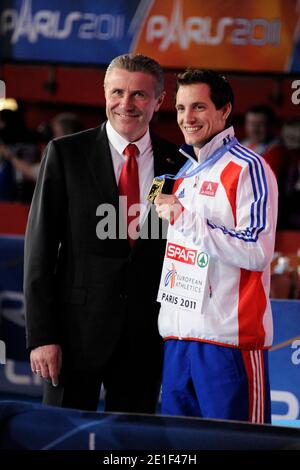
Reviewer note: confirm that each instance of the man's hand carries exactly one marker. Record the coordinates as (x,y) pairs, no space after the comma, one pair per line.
(46,362)
(168,207)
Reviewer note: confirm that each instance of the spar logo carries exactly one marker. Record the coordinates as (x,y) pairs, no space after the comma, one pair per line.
(170,277)
(202,259)
(181,253)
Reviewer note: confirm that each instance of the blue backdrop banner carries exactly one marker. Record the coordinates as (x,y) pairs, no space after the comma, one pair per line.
(285,360)
(76,31)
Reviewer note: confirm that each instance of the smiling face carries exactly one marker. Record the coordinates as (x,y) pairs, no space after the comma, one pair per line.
(131,102)
(197,116)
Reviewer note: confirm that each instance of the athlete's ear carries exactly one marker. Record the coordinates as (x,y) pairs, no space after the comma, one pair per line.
(226,110)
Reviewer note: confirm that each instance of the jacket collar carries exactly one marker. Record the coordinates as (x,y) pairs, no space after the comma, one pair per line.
(210,147)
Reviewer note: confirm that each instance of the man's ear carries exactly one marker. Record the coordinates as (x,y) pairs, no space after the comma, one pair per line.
(226,110)
(160,101)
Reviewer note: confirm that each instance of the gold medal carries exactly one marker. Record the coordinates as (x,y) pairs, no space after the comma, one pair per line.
(156,188)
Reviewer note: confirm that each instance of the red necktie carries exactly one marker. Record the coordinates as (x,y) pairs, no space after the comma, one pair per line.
(129,183)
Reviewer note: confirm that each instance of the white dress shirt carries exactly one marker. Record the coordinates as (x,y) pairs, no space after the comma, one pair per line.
(145,161)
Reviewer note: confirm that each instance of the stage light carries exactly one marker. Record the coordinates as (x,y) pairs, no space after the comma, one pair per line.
(8,103)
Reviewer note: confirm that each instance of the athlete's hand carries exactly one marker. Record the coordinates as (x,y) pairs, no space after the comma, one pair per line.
(46,362)
(168,207)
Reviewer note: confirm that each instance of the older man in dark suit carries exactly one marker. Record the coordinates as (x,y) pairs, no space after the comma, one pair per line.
(91,291)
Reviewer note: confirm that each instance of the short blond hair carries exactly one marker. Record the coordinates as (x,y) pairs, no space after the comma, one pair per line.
(138,63)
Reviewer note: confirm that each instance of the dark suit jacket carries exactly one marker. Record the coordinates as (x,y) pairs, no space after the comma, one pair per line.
(80,291)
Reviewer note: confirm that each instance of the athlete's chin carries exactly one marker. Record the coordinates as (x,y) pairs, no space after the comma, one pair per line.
(194,140)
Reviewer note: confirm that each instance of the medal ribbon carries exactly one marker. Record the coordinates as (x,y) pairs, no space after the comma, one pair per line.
(210,161)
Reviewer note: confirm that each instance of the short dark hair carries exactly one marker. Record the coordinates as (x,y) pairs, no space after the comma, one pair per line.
(220,89)
(263,109)
(138,63)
